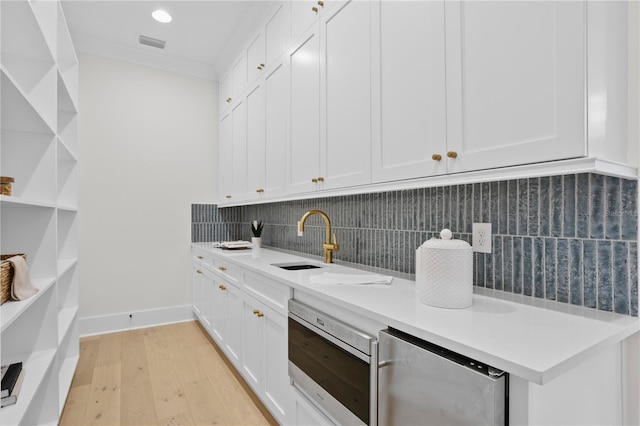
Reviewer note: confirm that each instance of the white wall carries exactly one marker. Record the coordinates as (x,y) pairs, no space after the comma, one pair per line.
(148,149)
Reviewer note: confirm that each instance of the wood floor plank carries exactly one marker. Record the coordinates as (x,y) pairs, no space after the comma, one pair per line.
(137,405)
(87,362)
(104,396)
(166,385)
(76,405)
(109,349)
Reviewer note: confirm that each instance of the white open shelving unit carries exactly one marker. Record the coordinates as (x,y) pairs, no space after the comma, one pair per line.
(39,148)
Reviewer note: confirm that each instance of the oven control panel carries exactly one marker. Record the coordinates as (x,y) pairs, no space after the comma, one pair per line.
(336,328)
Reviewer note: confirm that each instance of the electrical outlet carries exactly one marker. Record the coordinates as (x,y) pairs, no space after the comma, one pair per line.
(482,237)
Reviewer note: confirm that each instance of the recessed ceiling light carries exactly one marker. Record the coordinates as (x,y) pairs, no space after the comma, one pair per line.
(161,16)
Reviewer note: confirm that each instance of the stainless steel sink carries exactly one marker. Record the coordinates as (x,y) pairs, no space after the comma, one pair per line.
(296,266)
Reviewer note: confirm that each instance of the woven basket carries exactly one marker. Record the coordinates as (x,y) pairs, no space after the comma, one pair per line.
(6,276)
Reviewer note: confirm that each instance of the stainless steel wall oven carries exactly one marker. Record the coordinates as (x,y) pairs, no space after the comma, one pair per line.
(333,364)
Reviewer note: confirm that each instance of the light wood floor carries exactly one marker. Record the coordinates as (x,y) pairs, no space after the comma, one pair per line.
(169,375)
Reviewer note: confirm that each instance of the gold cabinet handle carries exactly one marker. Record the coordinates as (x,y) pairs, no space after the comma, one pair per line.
(315,9)
(314,180)
(452,154)
(321,3)
(260,66)
(320,179)
(227,196)
(221,287)
(200,257)
(256,312)
(222,268)
(198,271)
(436,157)
(259,314)
(228,100)
(259,190)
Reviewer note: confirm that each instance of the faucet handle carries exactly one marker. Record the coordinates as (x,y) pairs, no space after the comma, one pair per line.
(335,243)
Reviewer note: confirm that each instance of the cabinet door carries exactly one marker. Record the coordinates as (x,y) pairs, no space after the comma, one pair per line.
(346,95)
(255,142)
(412,99)
(515,82)
(304,140)
(238,78)
(226,154)
(233,343)
(275,155)
(277,34)
(225,92)
(196,288)
(219,318)
(256,61)
(239,151)
(303,15)
(275,364)
(206,306)
(253,343)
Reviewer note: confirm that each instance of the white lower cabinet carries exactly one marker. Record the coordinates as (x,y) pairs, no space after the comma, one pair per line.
(251,334)
(265,355)
(203,295)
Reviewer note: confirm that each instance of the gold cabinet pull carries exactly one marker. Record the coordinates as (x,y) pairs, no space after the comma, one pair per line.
(256,312)
(228,100)
(200,257)
(260,314)
(315,9)
(198,271)
(320,179)
(227,196)
(259,67)
(321,3)
(452,154)
(259,190)
(436,157)
(222,268)
(314,180)
(221,287)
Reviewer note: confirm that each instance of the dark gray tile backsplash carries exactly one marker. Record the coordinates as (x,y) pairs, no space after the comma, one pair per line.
(569,238)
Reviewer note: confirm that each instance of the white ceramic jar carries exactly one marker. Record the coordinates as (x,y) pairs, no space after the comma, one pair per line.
(444,272)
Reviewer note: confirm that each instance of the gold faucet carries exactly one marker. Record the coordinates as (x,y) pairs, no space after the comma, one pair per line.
(328,246)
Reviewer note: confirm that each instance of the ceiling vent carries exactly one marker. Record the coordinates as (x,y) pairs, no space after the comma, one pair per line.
(153,42)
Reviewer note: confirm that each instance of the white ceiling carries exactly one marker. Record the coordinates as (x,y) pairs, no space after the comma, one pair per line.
(201,40)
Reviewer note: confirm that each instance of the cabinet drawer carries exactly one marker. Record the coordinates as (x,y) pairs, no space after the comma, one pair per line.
(229,271)
(203,256)
(269,292)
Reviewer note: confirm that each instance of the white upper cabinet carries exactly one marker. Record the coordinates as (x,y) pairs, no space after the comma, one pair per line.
(256,61)
(276,94)
(225,154)
(255,142)
(277,32)
(238,78)
(515,82)
(412,123)
(304,119)
(346,95)
(225,93)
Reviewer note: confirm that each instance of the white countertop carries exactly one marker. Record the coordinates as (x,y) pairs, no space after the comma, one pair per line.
(535,339)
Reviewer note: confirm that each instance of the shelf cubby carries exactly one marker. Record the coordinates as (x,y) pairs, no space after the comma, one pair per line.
(32,231)
(67,285)
(17,112)
(30,159)
(67,178)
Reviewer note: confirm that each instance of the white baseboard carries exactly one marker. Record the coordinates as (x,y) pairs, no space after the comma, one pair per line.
(91,326)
